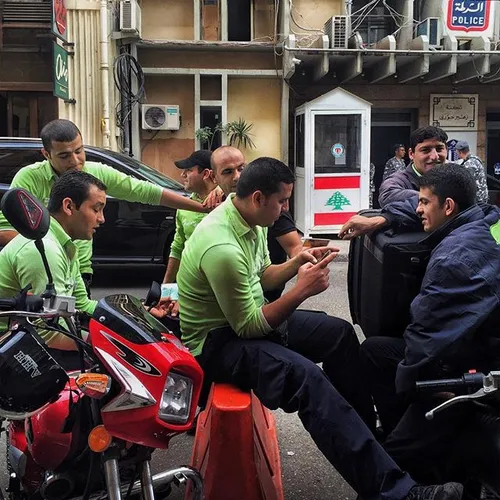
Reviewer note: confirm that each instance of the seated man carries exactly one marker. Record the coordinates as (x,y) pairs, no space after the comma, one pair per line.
(283,239)
(272,348)
(455,318)
(76,205)
(427,149)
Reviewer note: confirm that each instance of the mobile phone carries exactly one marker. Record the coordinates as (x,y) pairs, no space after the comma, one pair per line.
(315,242)
(325,255)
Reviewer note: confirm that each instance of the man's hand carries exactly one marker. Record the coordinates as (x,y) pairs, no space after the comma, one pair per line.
(214,198)
(171,306)
(162,309)
(315,254)
(358,225)
(313,278)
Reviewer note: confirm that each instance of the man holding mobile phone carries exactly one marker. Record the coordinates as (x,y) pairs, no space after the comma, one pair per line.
(273,348)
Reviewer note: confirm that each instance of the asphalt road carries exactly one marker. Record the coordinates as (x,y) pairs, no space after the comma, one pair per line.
(306,473)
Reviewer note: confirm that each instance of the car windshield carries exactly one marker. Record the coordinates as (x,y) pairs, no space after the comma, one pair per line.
(150,173)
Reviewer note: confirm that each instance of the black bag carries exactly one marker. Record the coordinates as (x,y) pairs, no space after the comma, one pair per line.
(384,276)
(29,376)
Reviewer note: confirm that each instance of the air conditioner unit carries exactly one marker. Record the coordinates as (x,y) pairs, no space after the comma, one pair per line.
(130,17)
(337,30)
(431,28)
(160,117)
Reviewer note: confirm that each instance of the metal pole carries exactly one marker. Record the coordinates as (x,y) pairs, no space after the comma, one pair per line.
(112,479)
(147,482)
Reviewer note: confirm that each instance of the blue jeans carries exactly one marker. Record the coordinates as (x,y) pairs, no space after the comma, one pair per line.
(287,377)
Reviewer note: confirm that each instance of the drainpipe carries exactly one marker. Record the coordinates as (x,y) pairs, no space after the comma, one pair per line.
(348,12)
(104,45)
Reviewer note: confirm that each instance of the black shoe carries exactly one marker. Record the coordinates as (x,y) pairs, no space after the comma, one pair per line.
(448,491)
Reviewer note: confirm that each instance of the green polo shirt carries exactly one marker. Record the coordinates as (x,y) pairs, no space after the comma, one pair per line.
(185,223)
(219,278)
(21,264)
(39,178)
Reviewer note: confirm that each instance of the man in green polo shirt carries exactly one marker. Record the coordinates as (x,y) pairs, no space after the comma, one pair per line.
(198,179)
(273,348)
(76,205)
(63,150)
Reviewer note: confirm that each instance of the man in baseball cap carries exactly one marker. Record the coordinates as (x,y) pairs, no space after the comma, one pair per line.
(475,167)
(198,179)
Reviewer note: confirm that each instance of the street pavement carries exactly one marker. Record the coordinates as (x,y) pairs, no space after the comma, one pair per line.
(306,473)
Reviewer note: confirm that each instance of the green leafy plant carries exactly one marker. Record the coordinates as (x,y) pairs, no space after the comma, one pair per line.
(205,135)
(238,133)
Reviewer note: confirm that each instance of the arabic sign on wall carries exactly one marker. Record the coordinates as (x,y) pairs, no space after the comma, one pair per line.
(469,18)
(454,111)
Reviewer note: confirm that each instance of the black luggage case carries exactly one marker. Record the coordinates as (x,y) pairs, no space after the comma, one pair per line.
(384,276)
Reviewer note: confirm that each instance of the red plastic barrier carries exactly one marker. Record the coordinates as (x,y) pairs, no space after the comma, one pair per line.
(236,447)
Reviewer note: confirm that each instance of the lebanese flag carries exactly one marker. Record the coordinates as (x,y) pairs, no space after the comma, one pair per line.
(335,199)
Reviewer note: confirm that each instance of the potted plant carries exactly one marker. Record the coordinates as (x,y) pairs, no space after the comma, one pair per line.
(238,133)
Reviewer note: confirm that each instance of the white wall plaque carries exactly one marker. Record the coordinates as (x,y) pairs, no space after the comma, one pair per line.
(454,111)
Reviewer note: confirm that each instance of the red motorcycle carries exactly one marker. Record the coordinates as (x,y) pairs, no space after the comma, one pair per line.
(90,434)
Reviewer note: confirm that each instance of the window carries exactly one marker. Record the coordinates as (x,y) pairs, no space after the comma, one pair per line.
(11,160)
(337,144)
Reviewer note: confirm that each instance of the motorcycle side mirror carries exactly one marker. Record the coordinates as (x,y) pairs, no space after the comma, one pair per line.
(153,296)
(25,213)
(30,218)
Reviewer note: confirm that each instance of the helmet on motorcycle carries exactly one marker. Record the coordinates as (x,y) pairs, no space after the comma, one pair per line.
(30,378)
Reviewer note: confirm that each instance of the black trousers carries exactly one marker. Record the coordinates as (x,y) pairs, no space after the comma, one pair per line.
(423,447)
(288,378)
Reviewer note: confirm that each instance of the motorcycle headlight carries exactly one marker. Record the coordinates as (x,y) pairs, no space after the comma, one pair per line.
(176,399)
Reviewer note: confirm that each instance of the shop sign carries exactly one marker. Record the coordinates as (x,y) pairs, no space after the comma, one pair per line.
(454,111)
(471,17)
(59,19)
(61,76)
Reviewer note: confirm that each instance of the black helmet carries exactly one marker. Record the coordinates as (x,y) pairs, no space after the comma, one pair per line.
(30,378)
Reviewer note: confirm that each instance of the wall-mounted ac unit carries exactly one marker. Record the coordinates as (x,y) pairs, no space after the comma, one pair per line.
(337,30)
(431,28)
(160,117)
(130,17)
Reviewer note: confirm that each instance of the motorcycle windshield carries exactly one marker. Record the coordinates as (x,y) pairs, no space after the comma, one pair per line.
(127,316)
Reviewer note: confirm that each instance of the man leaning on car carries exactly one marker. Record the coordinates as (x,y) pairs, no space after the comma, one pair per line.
(63,150)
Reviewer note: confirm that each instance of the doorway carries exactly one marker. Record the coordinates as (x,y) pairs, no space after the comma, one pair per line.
(211,116)
(23,114)
(389,127)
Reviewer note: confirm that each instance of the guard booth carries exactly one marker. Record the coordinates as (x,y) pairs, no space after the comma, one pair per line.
(332,161)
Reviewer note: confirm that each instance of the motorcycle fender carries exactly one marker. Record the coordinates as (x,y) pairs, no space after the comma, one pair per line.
(48,445)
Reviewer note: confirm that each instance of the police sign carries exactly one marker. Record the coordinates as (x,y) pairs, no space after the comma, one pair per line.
(471,17)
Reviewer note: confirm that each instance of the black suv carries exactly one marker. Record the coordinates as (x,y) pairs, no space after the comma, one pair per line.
(133,233)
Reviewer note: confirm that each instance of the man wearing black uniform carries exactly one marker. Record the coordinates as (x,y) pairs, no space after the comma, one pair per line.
(283,240)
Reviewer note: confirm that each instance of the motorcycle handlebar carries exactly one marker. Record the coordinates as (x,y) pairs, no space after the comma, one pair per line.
(466,381)
(8,304)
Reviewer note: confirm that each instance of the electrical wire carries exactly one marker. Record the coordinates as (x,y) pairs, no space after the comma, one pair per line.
(125,68)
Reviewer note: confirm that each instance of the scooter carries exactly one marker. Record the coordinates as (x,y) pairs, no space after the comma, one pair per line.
(478,449)
(90,434)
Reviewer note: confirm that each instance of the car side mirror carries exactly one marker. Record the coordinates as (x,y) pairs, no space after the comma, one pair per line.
(25,213)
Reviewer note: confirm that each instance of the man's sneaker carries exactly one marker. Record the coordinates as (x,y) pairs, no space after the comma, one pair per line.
(448,491)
